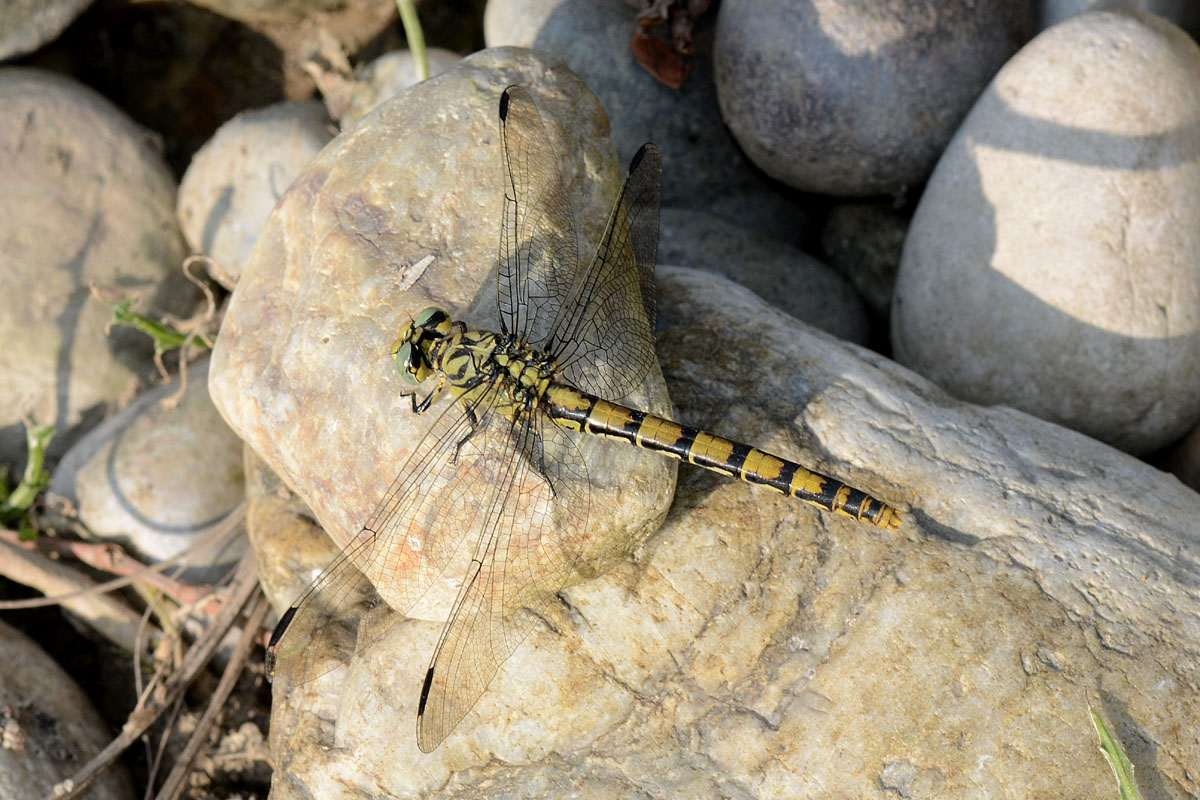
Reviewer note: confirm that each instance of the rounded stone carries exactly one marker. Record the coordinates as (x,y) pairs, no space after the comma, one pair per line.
(86,200)
(1184,13)
(49,729)
(159,476)
(707,171)
(863,241)
(400,212)
(791,279)
(26,25)
(1052,262)
(239,175)
(849,98)
(754,641)
(386,77)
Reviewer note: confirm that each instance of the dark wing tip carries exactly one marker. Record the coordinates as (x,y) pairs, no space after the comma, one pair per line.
(643,151)
(277,634)
(504,102)
(423,737)
(425,693)
(282,627)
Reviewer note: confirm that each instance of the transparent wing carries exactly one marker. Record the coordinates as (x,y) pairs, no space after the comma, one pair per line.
(416,531)
(603,337)
(531,542)
(539,249)
(598,322)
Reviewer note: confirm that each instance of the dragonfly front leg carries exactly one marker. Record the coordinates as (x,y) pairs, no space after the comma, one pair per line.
(423,406)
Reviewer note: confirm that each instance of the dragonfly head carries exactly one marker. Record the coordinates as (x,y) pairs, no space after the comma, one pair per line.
(411,348)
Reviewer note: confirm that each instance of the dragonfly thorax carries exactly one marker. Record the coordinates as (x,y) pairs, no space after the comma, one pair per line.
(470,361)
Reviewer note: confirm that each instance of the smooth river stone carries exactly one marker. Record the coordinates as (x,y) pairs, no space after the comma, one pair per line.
(1053,263)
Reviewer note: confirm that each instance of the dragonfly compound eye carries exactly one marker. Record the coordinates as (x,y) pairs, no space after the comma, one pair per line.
(433,318)
(411,364)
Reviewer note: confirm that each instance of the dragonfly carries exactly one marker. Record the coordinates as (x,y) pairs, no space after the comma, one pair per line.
(498,483)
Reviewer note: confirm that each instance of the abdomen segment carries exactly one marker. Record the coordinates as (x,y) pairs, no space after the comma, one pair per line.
(587,413)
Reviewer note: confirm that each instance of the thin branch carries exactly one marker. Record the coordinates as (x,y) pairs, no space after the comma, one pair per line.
(116,621)
(157,700)
(110,558)
(226,527)
(175,784)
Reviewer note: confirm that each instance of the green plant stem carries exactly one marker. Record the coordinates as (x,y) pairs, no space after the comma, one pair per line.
(165,338)
(35,478)
(415,37)
(1121,766)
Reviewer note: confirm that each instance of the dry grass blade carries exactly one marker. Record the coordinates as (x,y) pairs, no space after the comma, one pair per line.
(157,699)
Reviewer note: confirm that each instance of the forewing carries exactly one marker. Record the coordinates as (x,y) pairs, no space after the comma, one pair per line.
(531,544)
(603,338)
(539,250)
(416,531)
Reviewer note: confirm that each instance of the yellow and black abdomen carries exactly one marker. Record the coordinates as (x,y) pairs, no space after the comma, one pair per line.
(587,413)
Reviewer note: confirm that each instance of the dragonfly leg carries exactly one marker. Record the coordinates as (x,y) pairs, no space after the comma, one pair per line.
(423,406)
(539,463)
(474,420)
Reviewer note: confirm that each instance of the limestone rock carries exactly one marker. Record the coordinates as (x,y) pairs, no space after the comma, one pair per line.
(754,642)
(235,180)
(86,198)
(159,475)
(1052,264)
(400,212)
(26,25)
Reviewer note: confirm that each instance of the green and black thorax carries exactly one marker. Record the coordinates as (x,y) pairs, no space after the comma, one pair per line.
(472,362)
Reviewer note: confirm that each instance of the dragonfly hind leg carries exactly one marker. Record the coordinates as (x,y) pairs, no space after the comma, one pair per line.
(469,413)
(539,463)
(533,448)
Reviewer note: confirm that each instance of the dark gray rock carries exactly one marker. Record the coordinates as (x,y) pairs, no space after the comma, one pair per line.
(703,168)
(788,278)
(864,242)
(857,98)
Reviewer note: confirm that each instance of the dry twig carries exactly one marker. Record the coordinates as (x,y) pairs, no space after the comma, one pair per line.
(159,696)
(116,621)
(174,785)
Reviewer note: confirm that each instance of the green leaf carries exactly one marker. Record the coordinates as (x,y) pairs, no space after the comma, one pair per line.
(1121,766)
(165,337)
